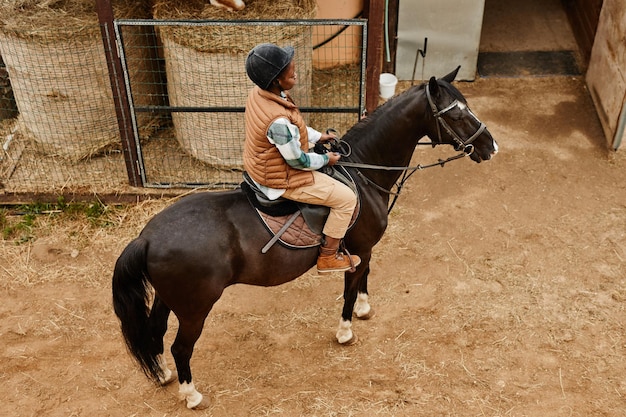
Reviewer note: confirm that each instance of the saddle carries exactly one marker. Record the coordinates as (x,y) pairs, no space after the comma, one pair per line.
(293,224)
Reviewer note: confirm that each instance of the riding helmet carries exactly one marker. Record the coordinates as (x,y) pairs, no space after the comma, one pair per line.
(266,61)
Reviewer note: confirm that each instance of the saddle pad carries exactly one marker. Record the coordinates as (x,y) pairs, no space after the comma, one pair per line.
(298,235)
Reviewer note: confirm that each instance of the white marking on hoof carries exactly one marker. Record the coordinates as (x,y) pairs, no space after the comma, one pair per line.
(188,392)
(344,333)
(168,376)
(362,307)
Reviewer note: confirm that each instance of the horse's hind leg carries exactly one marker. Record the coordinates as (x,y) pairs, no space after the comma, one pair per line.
(159,314)
(188,333)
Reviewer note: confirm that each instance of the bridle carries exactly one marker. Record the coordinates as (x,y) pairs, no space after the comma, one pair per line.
(461,145)
(466,148)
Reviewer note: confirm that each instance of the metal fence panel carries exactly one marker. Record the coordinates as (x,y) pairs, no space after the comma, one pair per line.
(62,130)
(58,125)
(200,139)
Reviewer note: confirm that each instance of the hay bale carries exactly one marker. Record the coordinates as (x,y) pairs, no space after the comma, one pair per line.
(55,58)
(205,66)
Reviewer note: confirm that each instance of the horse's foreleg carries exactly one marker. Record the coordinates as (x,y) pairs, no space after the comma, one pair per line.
(182,349)
(344,335)
(355,302)
(362,308)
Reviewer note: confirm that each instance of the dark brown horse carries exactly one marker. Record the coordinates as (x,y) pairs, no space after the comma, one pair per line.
(191,251)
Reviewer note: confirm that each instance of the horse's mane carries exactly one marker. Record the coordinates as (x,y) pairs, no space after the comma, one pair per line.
(376,120)
(372,121)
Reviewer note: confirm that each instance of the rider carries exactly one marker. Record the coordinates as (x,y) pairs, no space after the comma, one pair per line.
(276,152)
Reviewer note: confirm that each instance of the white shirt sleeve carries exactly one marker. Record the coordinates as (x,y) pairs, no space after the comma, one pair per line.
(314,135)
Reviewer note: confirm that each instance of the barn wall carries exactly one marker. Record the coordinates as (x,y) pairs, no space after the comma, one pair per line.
(583,16)
(606,76)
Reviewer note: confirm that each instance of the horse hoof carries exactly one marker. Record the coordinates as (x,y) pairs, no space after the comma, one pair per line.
(173,377)
(203,405)
(367,316)
(350,341)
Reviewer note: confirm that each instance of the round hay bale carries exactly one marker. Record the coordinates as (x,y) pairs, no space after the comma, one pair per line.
(205,66)
(56,62)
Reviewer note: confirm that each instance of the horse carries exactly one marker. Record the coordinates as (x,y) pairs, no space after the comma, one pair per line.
(187,254)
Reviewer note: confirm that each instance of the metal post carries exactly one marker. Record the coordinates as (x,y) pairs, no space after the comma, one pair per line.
(120,96)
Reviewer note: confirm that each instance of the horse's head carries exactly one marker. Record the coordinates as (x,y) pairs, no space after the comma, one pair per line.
(454,123)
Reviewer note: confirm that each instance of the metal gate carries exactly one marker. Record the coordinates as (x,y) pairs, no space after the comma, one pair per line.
(186,107)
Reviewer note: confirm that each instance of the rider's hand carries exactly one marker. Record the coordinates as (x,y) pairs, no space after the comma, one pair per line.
(327,137)
(333,157)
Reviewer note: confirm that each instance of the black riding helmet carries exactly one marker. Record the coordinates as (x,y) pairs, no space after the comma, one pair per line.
(266,61)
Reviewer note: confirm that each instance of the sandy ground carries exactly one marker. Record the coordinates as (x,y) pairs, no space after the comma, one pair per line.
(500,290)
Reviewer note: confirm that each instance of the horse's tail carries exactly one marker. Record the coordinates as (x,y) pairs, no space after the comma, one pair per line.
(131,298)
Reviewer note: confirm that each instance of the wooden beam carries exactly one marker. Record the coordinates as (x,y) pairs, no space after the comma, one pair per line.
(374,12)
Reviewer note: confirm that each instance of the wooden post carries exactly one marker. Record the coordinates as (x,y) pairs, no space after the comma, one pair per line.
(374,11)
(120,96)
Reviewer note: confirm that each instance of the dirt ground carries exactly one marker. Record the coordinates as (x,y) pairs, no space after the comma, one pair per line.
(499,290)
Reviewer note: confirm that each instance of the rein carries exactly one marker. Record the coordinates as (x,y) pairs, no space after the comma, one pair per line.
(406,174)
(465,146)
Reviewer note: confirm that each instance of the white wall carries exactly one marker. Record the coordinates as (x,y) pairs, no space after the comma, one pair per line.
(453,30)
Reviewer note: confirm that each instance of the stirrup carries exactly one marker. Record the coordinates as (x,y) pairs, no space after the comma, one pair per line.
(342,248)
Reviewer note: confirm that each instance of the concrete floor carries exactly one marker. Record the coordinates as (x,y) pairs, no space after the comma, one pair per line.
(529,38)
(529,25)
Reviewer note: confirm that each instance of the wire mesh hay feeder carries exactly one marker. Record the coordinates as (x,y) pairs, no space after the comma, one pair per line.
(205,66)
(56,62)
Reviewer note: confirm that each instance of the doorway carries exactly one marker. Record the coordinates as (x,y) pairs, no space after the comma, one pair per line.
(528,38)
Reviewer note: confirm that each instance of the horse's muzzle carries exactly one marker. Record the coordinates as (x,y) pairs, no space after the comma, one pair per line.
(485,153)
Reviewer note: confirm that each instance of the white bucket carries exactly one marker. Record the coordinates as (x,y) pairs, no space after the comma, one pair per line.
(387,85)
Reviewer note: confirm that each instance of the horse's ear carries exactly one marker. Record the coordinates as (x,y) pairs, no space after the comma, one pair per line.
(450,77)
(433,87)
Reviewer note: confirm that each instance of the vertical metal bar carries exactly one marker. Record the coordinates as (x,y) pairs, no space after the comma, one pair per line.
(120,97)
(362,85)
(392,33)
(374,12)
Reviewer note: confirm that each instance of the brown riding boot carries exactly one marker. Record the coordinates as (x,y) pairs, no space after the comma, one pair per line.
(332,260)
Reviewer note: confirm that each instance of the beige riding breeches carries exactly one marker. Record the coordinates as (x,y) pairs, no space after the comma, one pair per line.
(327,191)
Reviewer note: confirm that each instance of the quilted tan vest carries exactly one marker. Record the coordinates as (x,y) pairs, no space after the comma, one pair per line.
(261,159)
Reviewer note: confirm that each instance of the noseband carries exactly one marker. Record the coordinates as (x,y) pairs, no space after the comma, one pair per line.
(461,145)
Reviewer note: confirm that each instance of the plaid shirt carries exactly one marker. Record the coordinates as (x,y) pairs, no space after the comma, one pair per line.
(286,137)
